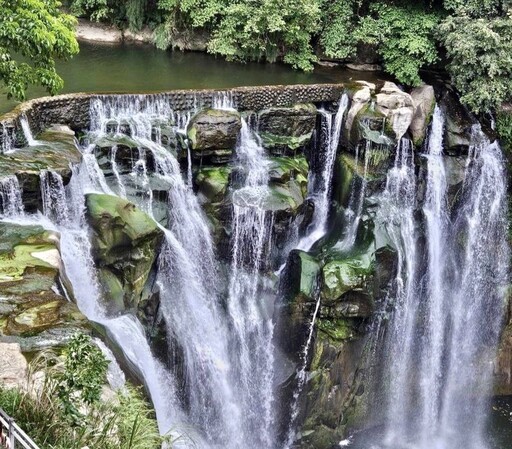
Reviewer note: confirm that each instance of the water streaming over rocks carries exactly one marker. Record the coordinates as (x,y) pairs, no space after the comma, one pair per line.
(217,381)
(11,203)
(444,324)
(27,132)
(251,316)
(321,193)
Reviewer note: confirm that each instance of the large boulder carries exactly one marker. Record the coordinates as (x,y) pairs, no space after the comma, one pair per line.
(55,151)
(345,274)
(33,310)
(125,243)
(397,106)
(457,137)
(360,100)
(213,130)
(287,129)
(212,183)
(424,101)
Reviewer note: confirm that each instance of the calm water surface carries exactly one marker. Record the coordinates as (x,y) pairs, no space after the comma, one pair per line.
(143,68)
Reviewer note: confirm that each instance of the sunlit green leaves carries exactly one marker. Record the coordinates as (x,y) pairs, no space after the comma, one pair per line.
(39,32)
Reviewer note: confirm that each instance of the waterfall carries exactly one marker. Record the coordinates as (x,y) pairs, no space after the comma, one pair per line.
(7,140)
(115,171)
(354,210)
(53,194)
(322,192)
(397,209)
(477,294)
(251,316)
(27,133)
(125,330)
(446,312)
(11,203)
(437,220)
(188,281)
(224,101)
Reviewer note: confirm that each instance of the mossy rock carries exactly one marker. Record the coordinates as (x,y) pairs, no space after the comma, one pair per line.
(287,129)
(31,302)
(57,154)
(337,330)
(125,241)
(212,183)
(341,275)
(282,169)
(214,129)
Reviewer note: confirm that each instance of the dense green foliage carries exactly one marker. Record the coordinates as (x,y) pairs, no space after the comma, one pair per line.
(471,38)
(37,31)
(480,55)
(504,128)
(65,411)
(403,37)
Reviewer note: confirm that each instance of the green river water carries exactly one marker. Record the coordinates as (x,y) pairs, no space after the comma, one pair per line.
(143,68)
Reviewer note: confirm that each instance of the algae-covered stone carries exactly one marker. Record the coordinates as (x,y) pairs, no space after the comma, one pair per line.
(214,129)
(125,242)
(345,274)
(30,271)
(287,128)
(212,183)
(304,271)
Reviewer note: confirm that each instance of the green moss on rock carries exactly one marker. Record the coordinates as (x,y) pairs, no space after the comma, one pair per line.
(125,241)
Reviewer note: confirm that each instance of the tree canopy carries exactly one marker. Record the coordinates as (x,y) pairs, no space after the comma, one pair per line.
(33,33)
(471,38)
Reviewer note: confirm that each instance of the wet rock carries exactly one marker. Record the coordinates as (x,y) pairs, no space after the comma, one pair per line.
(125,245)
(293,314)
(332,373)
(360,100)
(213,129)
(285,130)
(424,101)
(56,150)
(31,302)
(342,275)
(458,125)
(503,364)
(212,183)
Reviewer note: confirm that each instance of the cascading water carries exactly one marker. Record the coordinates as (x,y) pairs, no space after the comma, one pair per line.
(445,314)
(125,330)
(11,203)
(322,191)
(356,201)
(55,204)
(251,317)
(301,378)
(7,140)
(27,133)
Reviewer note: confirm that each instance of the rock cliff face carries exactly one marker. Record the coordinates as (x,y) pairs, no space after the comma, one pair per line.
(351,280)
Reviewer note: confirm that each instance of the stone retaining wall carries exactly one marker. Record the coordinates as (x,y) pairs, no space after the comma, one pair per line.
(73,109)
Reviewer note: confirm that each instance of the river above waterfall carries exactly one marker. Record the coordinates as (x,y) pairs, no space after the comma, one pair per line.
(125,68)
